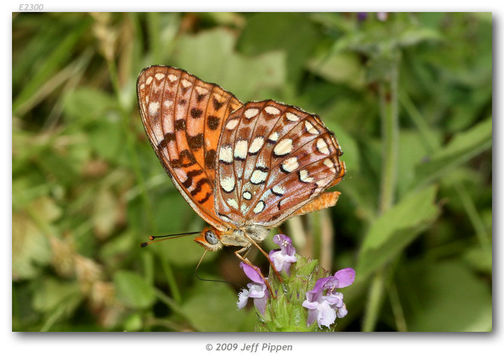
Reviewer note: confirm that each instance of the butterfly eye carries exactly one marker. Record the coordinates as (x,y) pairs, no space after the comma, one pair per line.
(211,238)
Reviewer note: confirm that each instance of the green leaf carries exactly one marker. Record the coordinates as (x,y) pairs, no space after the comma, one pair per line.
(30,229)
(445,297)
(411,152)
(106,211)
(87,104)
(58,167)
(348,146)
(414,36)
(30,247)
(361,191)
(116,249)
(51,64)
(133,290)
(52,293)
(46,209)
(479,258)
(38,46)
(107,139)
(304,267)
(377,38)
(182,251)
(212,307)
(462,148)
(340,67)
(210,56)
(265,32)
(133,322)
(398,227)
(281,311)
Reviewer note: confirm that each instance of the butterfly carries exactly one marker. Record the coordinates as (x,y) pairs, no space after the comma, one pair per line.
(244,168)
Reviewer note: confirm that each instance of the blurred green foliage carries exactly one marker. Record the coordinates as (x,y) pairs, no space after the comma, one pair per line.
(87,187)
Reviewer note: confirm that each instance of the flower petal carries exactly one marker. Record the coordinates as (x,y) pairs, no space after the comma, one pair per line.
(285,244)
(289,250)
(326,314)
(316,292)
(252,272)
(274,256)
(345,277)
(331,284)
(312,316)
(312,305)
(342,311)
(282,261)
(282,240)
(243,297)
(334,299)
(257,290)
(260,304)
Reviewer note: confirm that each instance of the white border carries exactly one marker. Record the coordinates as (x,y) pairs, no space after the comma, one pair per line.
(176,346)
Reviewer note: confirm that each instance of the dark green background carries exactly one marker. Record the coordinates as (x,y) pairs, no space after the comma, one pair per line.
(87,187)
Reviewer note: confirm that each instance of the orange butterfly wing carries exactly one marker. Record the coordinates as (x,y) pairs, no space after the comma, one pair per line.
(183,116)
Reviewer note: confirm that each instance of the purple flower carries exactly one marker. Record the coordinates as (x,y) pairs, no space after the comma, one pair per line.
(283,258)
(257,289)
(361,16)
(323,302)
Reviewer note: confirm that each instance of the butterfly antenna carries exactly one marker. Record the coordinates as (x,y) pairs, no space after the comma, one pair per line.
(200,278)
(157,238)
(199,262)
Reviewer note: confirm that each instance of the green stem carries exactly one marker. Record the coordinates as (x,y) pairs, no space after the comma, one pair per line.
(314,224)
(390,133)
(299,237)
(154,30)
(56,314)
(59,311)
(138,42)
(428,136)
(474,216)
(326,239)
(170,278)
(148,264)
(395,303)
(375,300)
(432,145)
(172,304)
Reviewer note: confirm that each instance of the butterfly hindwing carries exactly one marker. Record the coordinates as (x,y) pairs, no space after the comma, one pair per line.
(183,117)
(273,159)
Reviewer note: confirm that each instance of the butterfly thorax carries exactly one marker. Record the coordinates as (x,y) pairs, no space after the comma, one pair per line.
(213,239)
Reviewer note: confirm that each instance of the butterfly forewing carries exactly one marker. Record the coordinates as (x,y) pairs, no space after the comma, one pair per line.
(273,159)
(183,117)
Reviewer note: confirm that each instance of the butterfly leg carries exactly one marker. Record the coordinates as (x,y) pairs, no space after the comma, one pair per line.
(324,201)
(247,261)
(277,274)
(247,252)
